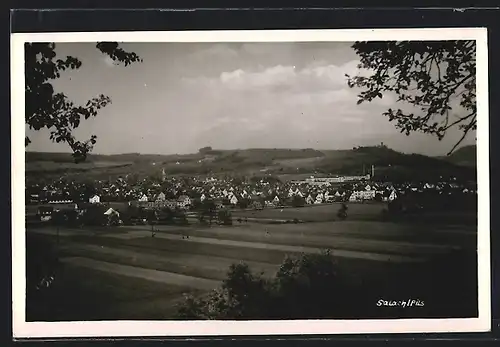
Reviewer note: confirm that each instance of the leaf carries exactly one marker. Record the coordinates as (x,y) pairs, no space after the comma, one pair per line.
(426,75)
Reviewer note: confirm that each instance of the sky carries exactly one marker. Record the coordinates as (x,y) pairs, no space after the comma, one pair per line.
(185,96)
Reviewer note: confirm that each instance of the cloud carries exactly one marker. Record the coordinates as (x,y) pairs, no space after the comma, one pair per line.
(271,105)
(312,78)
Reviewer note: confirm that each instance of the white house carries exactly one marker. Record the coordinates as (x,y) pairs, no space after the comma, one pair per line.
(143,198)
(203,197)
(95,199)
(233,200)
(111,211)
(309,200)
(319,199)
(276,200)
(355,196)
(393,196)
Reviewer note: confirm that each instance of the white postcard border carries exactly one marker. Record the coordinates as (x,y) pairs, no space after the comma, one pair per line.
(23,329)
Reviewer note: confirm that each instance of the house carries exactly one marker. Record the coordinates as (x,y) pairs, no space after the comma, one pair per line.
(45,213)
(319,199)
(202,197)
(233,200)
(309,200)
(61,201)
(355,196)
(257,205)
(110,211)
(393,196)
(184,202)
(171,204)
(34,198)
(112,216)
(143,198)
(429,186)
(269,203)
(276,201)
(95,199)
(219,205)
(160,197)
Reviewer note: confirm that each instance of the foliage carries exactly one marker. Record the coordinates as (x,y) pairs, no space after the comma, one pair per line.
(244,203)
(428,75)
(46,108)
(224,216)
(207,210)
(42,268)
(307,286)
(242,295)
(205,150)
(312,286)
(298,201)
(94,215)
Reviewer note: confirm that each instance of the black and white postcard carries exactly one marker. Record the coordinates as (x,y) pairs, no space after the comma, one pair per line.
(250,182)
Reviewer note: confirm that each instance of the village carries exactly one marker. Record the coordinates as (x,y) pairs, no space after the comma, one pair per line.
(187,194)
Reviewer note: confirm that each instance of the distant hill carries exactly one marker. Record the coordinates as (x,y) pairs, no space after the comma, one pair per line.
(464,156)
(389,164)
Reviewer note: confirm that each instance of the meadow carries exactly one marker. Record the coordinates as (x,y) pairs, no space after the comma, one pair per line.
(317,213)
(125,273)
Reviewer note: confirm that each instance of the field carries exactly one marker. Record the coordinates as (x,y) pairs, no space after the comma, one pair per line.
(319,213)
(124,273)
(51,166)
(283,162)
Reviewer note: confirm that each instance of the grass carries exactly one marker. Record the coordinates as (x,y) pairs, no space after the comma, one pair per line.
(162,246)
(319,213)
(50,166)
(298,162)
(86,294)
(109,296)
(208,267)
(281,160)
